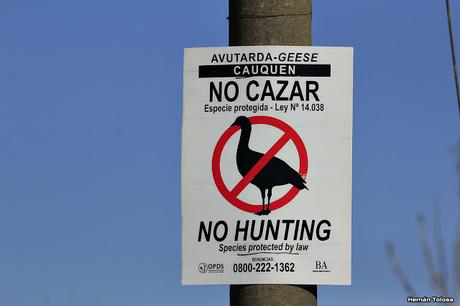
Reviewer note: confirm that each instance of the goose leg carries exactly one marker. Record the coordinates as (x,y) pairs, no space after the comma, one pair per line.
(269,195)
(262,192)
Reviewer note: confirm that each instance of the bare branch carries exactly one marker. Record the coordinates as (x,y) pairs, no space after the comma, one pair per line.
(457,237)
(390,250)
(427,254)
(441,248)
(452,49)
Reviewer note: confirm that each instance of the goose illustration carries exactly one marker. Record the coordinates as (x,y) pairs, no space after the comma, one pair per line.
(275,173)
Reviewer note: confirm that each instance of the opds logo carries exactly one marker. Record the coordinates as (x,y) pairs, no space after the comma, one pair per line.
(210,268)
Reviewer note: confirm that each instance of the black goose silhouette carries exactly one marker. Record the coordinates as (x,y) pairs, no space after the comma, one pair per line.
(275,173)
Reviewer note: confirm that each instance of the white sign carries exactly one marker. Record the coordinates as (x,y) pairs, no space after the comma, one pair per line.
(266,165)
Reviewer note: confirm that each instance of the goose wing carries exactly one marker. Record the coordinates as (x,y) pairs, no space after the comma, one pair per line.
(277,172)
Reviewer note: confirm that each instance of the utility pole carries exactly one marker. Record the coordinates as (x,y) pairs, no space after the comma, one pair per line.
(271,22)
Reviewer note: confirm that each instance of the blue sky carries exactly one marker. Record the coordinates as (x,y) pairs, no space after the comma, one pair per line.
(90,118)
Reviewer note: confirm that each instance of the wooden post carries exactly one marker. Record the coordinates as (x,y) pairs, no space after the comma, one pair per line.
(271,22)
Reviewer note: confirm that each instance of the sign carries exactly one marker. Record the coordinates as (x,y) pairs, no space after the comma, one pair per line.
(266,165)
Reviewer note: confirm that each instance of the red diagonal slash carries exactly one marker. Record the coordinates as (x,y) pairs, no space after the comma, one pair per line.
(259,165)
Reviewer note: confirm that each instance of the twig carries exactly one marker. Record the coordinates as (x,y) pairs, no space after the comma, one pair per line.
(452,49)
(427,255)
(440,247)
(456,286)
(390,250)
(456,289)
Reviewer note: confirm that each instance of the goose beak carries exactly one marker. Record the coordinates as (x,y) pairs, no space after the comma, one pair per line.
(234,124)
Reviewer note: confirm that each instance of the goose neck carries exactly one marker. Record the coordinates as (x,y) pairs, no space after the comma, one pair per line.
(244,138)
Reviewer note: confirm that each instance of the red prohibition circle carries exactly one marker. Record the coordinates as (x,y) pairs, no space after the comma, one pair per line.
(289,132)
